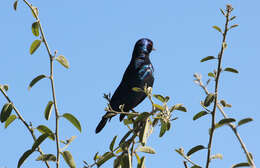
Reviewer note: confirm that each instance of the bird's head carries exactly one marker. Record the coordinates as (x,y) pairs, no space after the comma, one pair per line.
(143,46)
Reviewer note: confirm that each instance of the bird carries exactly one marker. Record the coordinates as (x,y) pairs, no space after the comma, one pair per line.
(140,72)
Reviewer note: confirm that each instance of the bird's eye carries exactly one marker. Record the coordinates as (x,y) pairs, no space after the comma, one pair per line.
(149,47)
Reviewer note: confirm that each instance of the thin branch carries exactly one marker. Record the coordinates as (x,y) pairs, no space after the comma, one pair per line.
(132,150)
(24,122)
(52,84)
(232,126)
(185,164)
(189,160)
(228,9)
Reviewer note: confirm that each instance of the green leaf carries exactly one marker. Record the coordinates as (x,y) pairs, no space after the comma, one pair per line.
(217,28)
(35,29)
(207,58)
(195,166)
(6,111)
(228,105)
(104,158)
(125,137)
(195,149)
(144,134)
(126,160)
(34,46)
(244,121)
(6,87)
(166,99)
(250,158)
(159,107)
(163,128)
(137,158)
(232,18)
(231,70)
(245,164)
(117,162)
(39,141)
(44,129)
(15,5)
(146,149)
(221,10)
(200,114)
(209,99)
(35,12)
(96,157)
(9,120)
(233,26)
(48,109)
(128,121)
(46,157)
(119,151)
(24,157)
(111,146)
(137,89)
(216,156)
(226,121)
(141,164)
(180,151)
(35,80)
(223,102)
(159,97)
(178,107)
(73,120)
(63,61)
(211,74)
(69,159)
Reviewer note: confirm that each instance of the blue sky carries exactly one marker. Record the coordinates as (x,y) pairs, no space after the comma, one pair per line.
(97,37)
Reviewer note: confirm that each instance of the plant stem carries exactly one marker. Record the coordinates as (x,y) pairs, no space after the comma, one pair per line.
(52,84)
(24,122)
(185,164)
(232,126)
(229,9)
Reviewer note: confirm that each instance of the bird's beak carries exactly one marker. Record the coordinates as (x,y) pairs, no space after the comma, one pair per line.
(153,49)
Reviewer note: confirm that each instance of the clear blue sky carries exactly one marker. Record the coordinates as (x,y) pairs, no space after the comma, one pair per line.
(97,37)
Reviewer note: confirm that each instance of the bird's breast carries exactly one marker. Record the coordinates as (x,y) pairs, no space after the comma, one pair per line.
(145,71)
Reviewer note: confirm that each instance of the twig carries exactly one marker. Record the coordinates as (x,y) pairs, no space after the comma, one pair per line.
(24,122)
(52,84)
(232,126)
(188,159)
(228,9)
(132,150)
(185,164)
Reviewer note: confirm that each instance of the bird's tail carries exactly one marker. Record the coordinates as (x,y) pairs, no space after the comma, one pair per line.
(101,124)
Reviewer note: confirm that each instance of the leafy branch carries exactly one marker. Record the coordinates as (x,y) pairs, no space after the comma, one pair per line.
(140,127)
(29,128)
(213,97)
(37,30)
(35,13)
(232,126)
(220,55)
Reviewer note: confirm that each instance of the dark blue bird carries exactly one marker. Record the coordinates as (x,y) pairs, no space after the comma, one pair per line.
(138,73)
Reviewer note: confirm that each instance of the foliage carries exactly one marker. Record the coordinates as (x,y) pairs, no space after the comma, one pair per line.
(140,124)
(140,127)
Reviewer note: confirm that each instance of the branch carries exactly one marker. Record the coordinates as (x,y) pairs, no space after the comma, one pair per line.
(185,164)
(232,126)
(228,9)
(52,83)
(24,122)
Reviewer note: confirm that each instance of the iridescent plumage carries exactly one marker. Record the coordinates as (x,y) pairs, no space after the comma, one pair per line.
(138,73)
